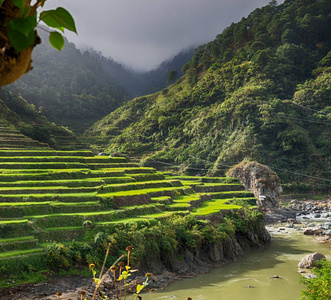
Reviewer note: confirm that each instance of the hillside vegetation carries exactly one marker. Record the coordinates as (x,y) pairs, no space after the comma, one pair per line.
(76,88)
(23,118)
(69,87)
(59,209)
(261,90)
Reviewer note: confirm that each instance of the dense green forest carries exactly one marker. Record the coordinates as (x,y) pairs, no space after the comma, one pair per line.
(76,88)
(261,90)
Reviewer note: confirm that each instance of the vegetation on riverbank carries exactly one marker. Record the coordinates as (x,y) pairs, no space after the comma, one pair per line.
(319,287)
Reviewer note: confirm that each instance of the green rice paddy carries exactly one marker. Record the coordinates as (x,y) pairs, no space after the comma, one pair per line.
(48,194)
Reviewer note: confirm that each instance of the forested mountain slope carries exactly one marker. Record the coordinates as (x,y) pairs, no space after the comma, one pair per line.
(75,88)
(137,83)
(69,86)
(261,90)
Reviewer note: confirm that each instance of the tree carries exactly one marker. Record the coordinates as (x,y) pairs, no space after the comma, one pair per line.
(18,35)
(172,76)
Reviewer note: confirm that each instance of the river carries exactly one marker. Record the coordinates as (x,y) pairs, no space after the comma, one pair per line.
(255,269)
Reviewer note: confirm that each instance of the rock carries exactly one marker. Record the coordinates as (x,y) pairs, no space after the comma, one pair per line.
(310,276)
(107,281)
(317,216)
(309,261)
(275,276)
(133,286)
(292,221)
(259,179)
(311,225)
(313,231)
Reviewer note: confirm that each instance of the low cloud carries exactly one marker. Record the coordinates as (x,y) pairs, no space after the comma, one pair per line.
(143,33)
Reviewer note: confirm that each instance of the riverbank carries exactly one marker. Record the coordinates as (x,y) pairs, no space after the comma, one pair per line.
(253,276)
(186,263)
(296,210)
(190,263)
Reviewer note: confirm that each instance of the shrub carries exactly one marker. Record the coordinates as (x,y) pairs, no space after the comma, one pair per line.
(318,288)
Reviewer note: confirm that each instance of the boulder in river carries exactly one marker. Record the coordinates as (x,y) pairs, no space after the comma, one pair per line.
(313,230)
(309,261)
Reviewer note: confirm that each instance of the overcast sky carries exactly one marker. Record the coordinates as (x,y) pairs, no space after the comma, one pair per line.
(143,33)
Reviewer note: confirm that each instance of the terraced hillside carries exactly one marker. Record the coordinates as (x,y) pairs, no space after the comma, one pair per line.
(12,138)
(48,195)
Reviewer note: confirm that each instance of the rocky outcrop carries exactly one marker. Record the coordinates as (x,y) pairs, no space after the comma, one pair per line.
(259,179)
(310,260)
(202,258)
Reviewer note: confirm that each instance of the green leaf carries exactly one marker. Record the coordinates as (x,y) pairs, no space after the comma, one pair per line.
(19,40)
(24,25)
(58,18)
(139,288)
(56,39)
(19,3)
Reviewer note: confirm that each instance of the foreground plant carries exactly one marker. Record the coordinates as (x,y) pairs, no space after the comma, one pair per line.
(123,276)
(18,37)
(319,287)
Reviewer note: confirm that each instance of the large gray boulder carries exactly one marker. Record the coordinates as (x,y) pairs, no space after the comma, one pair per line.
(309,261)
(259,179)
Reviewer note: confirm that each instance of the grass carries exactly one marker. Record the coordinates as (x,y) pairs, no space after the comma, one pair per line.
(63,228)
(83,214)
(186,198)
(121,221)
(7,222)
(143,218)
(18,239)
(55,196)
(20,252)
(140,192)
(178,205)
(213,206)
(164,214)
(191,182)
(62,190)
(221,184)
(161,198)
(45,153)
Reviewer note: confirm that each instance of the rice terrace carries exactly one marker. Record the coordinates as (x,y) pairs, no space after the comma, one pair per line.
(165,142)
(52,196)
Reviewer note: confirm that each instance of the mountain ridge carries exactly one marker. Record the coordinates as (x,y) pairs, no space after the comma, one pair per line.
(240,98)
